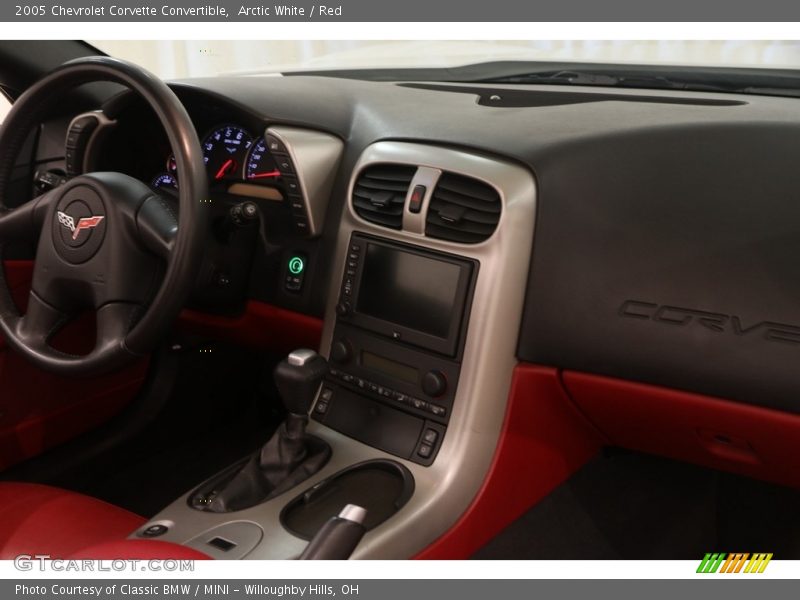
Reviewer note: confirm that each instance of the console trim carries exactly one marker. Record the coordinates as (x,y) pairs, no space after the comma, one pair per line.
(316,157)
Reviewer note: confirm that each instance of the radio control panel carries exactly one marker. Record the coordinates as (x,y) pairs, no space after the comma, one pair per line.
(395,355)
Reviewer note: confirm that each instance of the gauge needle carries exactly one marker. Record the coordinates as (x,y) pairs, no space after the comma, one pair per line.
(226,166)
(274,173)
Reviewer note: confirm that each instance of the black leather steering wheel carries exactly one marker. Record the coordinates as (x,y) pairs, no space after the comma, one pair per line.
(107,242)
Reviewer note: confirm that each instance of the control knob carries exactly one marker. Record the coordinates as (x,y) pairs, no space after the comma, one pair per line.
(434,383)
(341,352)
(343,308)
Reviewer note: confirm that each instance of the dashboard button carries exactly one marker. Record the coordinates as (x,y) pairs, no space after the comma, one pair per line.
(284,164)
(437,410)
(430,436)
(294,284)
(275,145)
(419,404)
(415,203)
(321,408)
(292,186)
(425,450)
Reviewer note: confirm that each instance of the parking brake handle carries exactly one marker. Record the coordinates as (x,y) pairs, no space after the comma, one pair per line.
(339,536)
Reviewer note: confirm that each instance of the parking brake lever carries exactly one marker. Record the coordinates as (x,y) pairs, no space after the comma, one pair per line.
(339,536)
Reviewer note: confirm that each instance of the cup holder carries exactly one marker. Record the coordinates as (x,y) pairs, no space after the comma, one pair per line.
(381,486)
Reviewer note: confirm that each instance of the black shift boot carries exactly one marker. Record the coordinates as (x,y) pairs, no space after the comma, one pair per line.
(288,458)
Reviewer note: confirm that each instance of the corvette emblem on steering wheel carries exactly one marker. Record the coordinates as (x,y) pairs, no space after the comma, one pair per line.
(83,223)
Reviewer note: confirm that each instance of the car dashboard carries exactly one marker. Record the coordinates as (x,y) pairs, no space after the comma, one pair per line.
(447,233)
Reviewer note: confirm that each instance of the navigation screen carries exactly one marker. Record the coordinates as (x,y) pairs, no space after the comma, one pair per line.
(409,290)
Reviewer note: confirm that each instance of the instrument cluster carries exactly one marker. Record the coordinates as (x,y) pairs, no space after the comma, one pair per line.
(232,155)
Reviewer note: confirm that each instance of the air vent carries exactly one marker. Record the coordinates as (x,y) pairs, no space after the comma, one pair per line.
(380,194)
(462,209)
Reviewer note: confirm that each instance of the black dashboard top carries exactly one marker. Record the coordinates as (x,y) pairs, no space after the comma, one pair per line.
(666,237)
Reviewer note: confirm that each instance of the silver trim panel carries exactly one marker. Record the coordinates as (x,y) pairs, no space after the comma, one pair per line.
(444,490)
(316,157)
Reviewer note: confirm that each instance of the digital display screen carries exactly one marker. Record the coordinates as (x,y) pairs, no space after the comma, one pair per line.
(413,291)
(389,367)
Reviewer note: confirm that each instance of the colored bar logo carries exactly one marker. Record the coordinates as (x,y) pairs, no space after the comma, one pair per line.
(719,562)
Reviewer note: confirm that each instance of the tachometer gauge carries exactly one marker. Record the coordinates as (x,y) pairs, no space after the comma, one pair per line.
(165,180)
(260,166)
(225,150)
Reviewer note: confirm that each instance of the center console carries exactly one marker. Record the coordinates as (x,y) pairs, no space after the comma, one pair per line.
(401,316)
(420,332)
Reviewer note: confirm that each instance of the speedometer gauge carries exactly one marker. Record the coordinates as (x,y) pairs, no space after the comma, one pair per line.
(260,166)
(225,150)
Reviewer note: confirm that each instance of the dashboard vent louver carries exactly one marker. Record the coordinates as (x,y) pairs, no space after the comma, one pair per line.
(379,194)
(462,209)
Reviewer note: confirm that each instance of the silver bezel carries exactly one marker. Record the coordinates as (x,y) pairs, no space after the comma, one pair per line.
(315,156)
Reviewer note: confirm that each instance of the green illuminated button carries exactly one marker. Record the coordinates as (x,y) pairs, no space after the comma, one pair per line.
(296,265)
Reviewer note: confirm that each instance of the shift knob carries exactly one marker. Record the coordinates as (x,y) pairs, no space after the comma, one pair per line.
(298,377)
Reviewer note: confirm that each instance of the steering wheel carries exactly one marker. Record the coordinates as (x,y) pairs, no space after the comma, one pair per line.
(107,242)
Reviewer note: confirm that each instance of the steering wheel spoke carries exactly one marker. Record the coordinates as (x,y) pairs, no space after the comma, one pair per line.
(157,224)
(40,322)
(114,321)
(24,222)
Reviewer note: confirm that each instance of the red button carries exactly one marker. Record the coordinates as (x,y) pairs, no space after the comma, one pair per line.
(415,204)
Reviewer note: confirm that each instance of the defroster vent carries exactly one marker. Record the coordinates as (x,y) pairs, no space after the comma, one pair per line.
(462,209)
(380,192)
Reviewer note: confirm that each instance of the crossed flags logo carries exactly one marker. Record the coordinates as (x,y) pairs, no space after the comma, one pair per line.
(84,223)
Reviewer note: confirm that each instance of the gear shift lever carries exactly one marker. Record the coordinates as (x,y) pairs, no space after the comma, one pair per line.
(289,457)
(298,378)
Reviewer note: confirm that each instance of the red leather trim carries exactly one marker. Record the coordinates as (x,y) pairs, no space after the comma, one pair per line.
(38,519)
(140,549)
(260,326)
(730,436)
(39,410)
(543,441)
